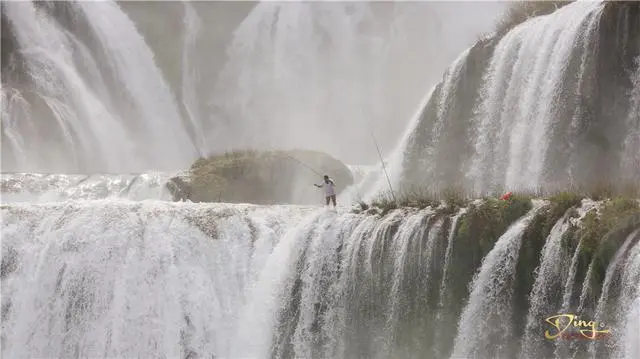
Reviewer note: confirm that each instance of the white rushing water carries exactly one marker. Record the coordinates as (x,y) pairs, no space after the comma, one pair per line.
(114,277)
(628,314)
(43,188)
(526,73)
(192,29)
(614,267)
(135,128)
(126,279)
(549,277)
(80,122)
(483,329)
(155,111)
(311,53)
(382,177)
(105,265)
(554,279)
(316,74)
(631,161)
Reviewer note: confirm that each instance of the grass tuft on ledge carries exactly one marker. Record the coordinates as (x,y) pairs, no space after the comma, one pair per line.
(449,200)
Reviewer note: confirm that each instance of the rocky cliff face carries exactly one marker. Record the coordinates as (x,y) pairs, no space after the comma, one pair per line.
(269,177)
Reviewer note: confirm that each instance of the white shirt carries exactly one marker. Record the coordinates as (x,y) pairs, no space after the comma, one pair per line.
(328,188)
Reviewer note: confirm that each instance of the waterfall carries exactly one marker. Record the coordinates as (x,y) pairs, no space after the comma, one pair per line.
(540,106)
(484,326)
(440,316)
(49,59)
(116,277)
(43,188)
(311,53)
(570,282)
(343,68)
(130,279)
(612,269)
(554,282)
(528,69)
(192,25)
(99,261)
(376,180)
(444,100)
(95,105)
(628,315)
(631,161)
(545,290)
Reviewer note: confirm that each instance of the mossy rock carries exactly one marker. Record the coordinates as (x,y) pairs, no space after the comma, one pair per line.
(598,223)
(485,223)
(561,207)
(475,235)
(260,177)
(611,242)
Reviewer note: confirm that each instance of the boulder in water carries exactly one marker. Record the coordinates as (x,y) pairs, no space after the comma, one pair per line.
(260,177)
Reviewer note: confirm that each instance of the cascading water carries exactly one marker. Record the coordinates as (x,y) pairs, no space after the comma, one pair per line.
(130,279)
(376,180)
(628,315)
(631,149)
(613,270)
(537,107)
(484,329)
(44,188)
(269,61)
(514,139)
(340,66)
(49,60)
(192,28)
(544,293)
(283,281)
(554,283)
(84,112)
(105,265)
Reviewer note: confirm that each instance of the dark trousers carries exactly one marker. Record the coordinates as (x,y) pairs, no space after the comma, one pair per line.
(332,199)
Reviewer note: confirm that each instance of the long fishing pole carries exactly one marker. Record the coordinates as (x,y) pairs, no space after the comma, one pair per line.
(316,172)
(384,168)
(302,163)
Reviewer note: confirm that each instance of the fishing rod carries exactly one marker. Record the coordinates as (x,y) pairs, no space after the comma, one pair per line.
(302,163)
(314,171)
(384,168)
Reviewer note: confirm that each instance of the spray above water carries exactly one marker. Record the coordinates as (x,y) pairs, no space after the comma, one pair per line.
(94,103)
(103,267)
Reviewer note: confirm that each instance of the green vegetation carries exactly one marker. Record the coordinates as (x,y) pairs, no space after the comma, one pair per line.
(533,240)
(484,223)
(597,224)
(486,219)
(602,232)
(447,201)
(537,232)
(266,177)
(559,204)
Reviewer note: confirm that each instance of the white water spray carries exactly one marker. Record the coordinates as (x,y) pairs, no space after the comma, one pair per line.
(527,69)
(482,323)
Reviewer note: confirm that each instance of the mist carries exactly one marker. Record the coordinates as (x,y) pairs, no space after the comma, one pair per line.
(327,76)
(220,76)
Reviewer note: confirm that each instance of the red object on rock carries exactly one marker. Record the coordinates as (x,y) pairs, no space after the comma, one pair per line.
(506,196)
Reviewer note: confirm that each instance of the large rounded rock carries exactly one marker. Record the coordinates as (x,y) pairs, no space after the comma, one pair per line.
(260,177)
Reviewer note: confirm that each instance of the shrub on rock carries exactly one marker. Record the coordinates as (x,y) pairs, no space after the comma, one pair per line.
(260,177)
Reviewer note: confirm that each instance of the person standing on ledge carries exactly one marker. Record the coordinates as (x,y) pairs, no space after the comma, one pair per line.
(329,190)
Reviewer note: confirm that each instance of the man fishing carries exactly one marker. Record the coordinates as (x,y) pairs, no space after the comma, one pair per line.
(329,191)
